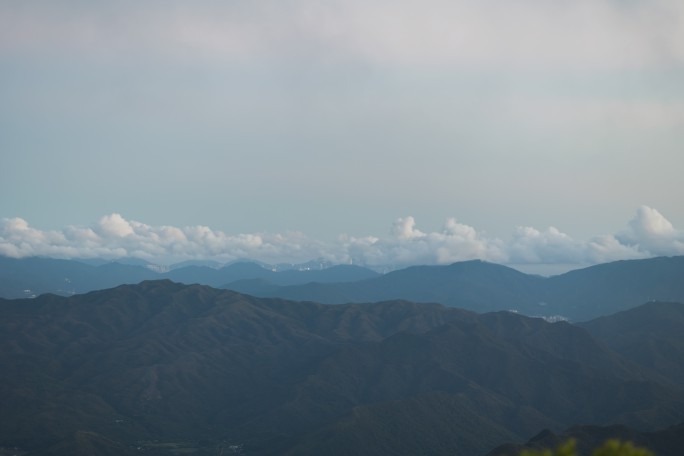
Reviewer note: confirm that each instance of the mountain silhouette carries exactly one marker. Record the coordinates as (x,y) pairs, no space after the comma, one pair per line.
(172,368)
(29,277)
(484,287)
(650,335)
(480,286)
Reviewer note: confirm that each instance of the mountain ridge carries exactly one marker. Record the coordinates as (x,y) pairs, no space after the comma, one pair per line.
(484,287)
(189,363)
(29,277)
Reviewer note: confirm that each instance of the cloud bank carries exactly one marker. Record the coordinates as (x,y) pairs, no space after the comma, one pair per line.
(647,234)
(595,33)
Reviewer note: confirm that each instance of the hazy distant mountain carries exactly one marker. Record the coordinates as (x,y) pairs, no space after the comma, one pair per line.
(475,285)
(174,368)
(482,287)
(33,276)
(122,260)
(309,265)
(245,271)
(608,288)
(214,277)
(29,277)
(207,263)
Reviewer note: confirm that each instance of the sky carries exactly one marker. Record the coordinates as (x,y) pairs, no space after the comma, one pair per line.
(536,133)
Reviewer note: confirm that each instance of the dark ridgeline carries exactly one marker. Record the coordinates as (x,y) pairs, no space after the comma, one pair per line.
(474,285)
(650,335)
(173,368)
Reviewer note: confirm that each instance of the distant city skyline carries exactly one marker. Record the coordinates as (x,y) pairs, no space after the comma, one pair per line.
(404,131)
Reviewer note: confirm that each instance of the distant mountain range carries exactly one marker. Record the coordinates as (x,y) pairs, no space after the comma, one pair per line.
(474,285)
(484,287)
(27,277)
(166,368)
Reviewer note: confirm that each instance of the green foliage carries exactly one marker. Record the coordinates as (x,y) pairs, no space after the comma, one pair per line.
(612,447)
(564,449)
(617,448)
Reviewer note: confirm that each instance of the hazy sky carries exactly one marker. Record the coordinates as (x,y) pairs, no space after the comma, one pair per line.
(343,126)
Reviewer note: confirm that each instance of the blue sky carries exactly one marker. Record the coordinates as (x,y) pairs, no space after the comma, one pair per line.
(321,127)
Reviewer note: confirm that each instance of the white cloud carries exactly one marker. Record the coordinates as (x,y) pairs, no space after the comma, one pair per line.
(408,245)
(113,236)
(649,233)
(114,226)
(530,245)
(559,112)
(594,33)
(649,223)
(606,248)
(404,228)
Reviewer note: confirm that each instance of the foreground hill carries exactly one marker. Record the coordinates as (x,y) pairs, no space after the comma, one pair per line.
(172,368)
(483,287)
(651,335)
(665,442)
